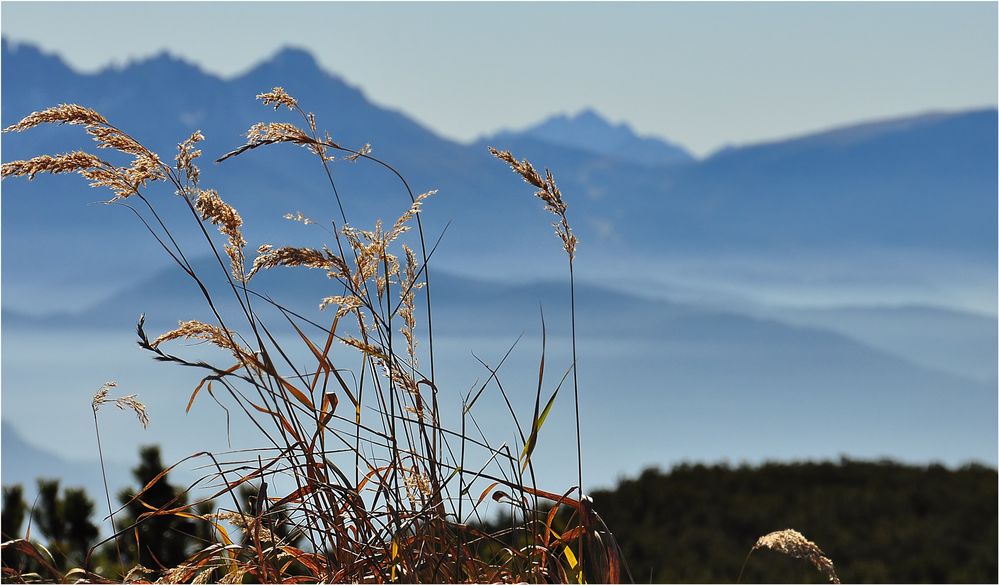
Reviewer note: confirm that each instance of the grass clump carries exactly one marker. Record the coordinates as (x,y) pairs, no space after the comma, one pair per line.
(380,488)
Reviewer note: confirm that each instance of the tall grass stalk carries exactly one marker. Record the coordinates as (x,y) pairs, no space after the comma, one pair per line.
(548,191)
(107,493)
(123,403)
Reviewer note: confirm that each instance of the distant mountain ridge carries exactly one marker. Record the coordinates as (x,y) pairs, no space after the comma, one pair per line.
(511,308)
(709,374)
(589,131)
(915,186)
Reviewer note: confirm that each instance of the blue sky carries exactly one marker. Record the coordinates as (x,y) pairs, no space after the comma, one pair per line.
(703,74)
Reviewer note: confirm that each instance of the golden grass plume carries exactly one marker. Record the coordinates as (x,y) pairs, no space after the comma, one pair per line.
(794,544)
(129,402)
(548,192)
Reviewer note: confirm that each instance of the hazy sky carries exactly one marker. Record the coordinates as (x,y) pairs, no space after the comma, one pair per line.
(702,74)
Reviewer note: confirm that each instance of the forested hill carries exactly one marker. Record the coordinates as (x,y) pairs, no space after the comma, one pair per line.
(879,522)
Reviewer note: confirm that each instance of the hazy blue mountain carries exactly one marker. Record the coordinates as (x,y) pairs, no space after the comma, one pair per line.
(922,188)
(921,182)
(958,342)
(590,132)
(161,100)
(672,380)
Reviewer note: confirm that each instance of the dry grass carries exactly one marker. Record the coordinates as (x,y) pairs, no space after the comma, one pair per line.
(385,490)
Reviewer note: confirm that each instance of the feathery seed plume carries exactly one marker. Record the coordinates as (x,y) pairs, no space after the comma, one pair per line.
(234,576)
(271,133)
(407,309)
(61,114)
(794,544)
(136,572)
(71,162)
(299,217)
(269,257)
(360,153)
(123,181)
(129,402)
(245,522)
(204,576)
(276,132)
(366,348)
(210,333)
(400,224)
(346,304)
(102,394)
(279,97)
(178,574)
(113,138)
(548,192)
(186,154)
(228,220)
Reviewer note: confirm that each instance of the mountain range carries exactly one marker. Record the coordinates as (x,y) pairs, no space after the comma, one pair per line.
(702,376)
(920,190)
(824,294)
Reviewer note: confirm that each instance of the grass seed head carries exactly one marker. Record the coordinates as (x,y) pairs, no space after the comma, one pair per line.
(278,97)
(129,402)
(136,573)
(270,257)
(186,155)
(101,397)
(794,544)
(548,192)
(229,222)
(215,335)
(113,138)
(61,114)
(71,162)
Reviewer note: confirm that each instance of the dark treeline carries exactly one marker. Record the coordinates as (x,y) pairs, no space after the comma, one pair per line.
(878,521)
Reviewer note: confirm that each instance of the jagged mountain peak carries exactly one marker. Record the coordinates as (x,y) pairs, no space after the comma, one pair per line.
(590,131)
(163,64)
(587,116)
(294,56)
(291,61)
(30,59)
